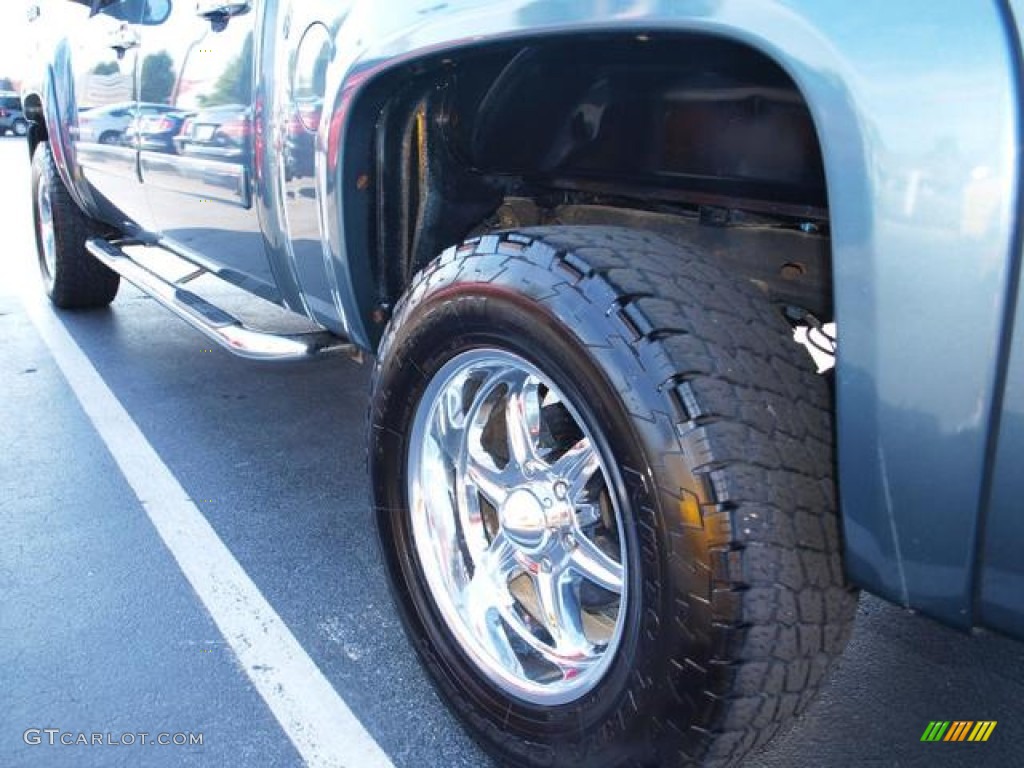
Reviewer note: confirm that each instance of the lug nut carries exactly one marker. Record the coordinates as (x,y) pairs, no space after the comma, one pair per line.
(561,489)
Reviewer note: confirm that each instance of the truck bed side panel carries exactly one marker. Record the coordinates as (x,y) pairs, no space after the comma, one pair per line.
(914,104)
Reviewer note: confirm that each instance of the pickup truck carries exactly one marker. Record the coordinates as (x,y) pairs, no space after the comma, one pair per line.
(624,517)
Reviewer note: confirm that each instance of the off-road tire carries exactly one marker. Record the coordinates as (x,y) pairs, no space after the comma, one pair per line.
(721,434)
(76,280)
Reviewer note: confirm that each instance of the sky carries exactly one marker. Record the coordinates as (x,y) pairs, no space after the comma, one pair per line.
(14,30)
(15,34)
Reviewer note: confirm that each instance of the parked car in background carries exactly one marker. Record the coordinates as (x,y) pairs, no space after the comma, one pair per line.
(223,132)
(12,117)
(623,518)
(300,140)
(105,125)
(156,131)
(109,124)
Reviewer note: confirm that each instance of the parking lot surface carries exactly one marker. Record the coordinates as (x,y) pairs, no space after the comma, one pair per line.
(114,621)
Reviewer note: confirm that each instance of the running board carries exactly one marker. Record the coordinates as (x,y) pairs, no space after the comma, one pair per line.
(214,322)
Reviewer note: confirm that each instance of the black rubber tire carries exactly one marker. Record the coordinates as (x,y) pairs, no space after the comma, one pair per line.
(78,280)
(739,603)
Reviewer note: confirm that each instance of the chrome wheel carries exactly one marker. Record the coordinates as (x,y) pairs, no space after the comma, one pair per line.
(47,239)
(519,539)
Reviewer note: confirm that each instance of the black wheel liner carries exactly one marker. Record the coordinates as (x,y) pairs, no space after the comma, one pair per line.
(722,434)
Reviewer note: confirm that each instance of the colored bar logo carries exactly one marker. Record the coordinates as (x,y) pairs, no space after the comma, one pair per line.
(959,730)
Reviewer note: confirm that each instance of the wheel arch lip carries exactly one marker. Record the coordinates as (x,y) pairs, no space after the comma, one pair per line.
(861,94)
(56,94)
(357,88)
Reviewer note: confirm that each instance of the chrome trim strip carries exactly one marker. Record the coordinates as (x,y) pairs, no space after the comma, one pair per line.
(210,178)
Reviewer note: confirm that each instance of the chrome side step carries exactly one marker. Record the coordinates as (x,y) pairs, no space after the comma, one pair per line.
(214,322)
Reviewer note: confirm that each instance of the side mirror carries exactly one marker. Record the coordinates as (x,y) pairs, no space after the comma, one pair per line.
(156,12)
(153,12)
(220,12)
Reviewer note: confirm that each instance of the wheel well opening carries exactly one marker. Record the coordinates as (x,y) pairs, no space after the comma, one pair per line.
(695,137)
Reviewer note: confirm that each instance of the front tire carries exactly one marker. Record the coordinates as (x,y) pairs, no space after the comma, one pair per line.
(681,596)
(72,277)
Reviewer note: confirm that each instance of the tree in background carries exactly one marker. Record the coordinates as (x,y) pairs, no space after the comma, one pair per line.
(106,68)
(6,84)
(234,86)
(157,79)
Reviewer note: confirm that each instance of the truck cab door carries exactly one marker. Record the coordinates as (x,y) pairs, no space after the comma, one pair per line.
(103,42)
(198,151)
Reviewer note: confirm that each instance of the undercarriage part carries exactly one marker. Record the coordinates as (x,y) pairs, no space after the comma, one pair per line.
(701,140)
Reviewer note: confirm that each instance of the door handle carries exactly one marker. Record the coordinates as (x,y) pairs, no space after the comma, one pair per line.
(219,12)
(124,39)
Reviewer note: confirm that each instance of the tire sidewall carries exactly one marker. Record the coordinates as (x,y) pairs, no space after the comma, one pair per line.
(456,314)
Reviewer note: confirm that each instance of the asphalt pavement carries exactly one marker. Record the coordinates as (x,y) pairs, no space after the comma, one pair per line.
(103,632)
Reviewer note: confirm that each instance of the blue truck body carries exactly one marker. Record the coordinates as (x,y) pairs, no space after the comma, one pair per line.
(304,154)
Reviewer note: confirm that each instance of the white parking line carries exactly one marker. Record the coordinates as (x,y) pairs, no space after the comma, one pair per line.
(319,724)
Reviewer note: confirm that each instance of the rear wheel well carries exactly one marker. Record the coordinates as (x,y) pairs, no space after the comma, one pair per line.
(696,137)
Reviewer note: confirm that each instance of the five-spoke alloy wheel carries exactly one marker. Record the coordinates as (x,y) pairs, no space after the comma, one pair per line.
(520,541)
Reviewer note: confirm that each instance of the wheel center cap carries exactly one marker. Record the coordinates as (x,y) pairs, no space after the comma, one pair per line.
(523,519)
